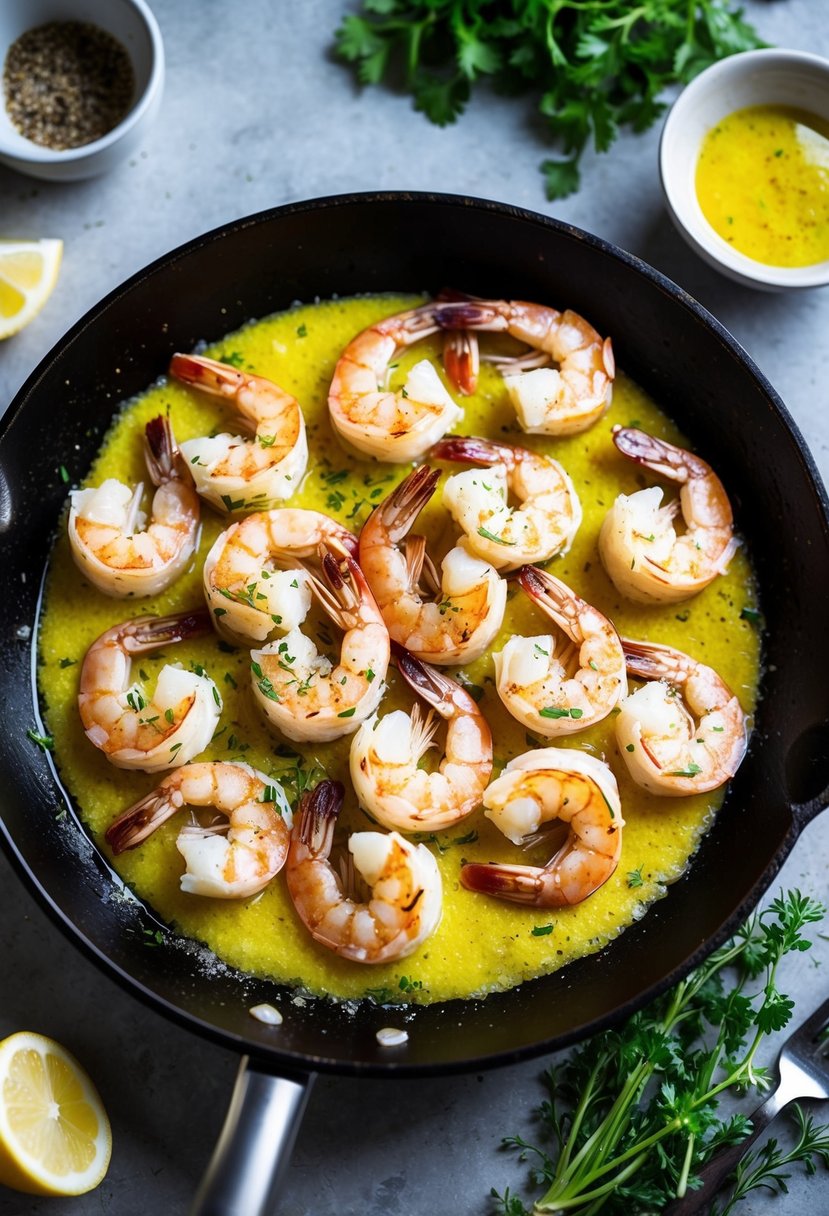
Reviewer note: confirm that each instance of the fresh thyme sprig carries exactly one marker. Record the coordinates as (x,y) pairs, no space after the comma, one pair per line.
(763,1168)
(591,65)
(633,1113)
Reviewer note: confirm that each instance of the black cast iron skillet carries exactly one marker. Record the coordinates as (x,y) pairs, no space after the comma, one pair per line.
(680,355)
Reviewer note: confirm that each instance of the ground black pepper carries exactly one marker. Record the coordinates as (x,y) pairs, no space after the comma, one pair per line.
(67,83)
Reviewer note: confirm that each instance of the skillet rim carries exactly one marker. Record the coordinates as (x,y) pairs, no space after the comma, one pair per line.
(286,1063)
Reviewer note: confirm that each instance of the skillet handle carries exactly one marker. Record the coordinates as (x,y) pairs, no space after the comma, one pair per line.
(254,1145)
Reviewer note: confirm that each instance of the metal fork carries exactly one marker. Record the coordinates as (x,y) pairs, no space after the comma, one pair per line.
(804,1073)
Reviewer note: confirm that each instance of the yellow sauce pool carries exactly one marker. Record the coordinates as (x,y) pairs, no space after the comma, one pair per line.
(481,944)
(763,184)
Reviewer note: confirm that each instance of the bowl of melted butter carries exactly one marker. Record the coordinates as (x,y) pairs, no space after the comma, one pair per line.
(744,164)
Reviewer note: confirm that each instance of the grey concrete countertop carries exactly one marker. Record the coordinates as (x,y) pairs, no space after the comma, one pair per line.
(256,114)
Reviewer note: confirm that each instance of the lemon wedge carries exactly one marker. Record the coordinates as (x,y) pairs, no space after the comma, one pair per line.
(28,273)
(54,1132)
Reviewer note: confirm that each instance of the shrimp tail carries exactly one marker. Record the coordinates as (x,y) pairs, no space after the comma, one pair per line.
(317,816)
(404,504)
(519,884)
(140,820)
(147,633)
(347,588)
(550,595)
(466,314)
(438,690)
(660,457)
(164,460)
(419,564)
(468,449)
(209,375)
(462,360)
(649,661)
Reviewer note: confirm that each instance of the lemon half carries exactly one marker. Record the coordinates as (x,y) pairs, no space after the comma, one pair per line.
(28,273)
(55,1137)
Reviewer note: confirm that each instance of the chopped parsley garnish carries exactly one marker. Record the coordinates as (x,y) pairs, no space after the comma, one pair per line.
(302,331)
(541,930)
(499,540)
(45,742)
(67,662)
(232,504)
(635,878)
(550,711)
(690,771)
(267,689)
(751,615)
(347,713)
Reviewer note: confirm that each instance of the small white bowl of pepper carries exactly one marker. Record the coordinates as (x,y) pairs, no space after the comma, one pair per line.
(81,82)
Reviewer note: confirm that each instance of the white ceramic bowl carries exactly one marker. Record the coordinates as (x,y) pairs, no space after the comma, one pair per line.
(135,27)
(754,78)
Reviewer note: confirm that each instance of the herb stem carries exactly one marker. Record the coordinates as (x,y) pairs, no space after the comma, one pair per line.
(682,1183)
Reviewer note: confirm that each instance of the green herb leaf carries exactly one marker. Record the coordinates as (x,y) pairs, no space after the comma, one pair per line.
(46,743)
(499,540)
(591,66)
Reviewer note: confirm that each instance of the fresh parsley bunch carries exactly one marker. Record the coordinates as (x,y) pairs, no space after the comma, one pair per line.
(592,65)
(633,1113)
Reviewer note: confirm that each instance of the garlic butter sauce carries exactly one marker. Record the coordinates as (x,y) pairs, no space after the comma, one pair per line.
(762,180)
(481,944)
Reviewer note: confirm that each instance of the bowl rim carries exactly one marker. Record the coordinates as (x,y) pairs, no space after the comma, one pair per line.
(683,204)
(36,154)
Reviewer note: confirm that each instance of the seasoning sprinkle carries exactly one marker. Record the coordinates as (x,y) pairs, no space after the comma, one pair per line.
(67,83)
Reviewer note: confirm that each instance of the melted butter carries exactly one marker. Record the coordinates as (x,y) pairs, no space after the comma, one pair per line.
(481,944)
(763,184)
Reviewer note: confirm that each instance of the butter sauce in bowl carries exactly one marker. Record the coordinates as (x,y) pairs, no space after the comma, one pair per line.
(744,163)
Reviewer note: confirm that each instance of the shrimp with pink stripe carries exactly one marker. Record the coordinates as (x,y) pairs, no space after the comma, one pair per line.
(390,424)
(308,696)
(443,618)
(541,525)
(109,542)
(683,732)
(557,684)
(136,731)
(560,400)
(255,582)
(384,901)
(386,754)
(254,471)
(237,854)
(645,556)
(535,791)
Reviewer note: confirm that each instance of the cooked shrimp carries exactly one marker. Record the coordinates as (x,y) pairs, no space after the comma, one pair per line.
(549,401)
(232,472)
(252,580)
(304,694)
(392,425)
(536,789)
(684,731)
(385,756)
(558,690)
(641,551)
(544,523)
(405,897)
(465,613)
(105,524)
(232,858)
(175,724)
